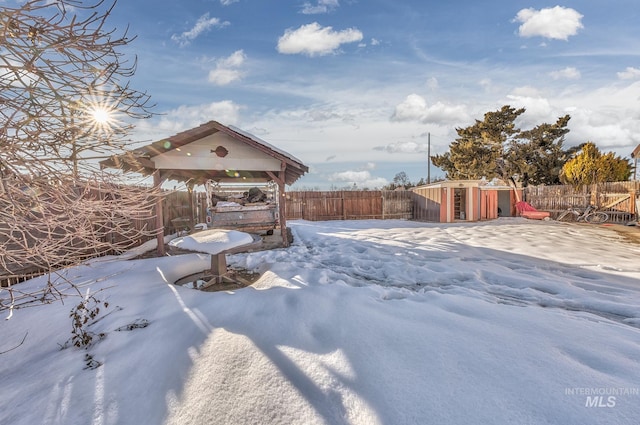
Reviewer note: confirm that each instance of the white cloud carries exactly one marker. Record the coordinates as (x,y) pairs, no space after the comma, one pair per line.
(315,40)
(228,2)
(411,109)
(322,6)
(569,73)
(361,178)
(415,108)
(525,91)
(222,76)
(403,147)
(204,23)
(323,115)
(614,124)
(234,60)
(226,70)
(538,108)
(557,23)
(629,74)
(185,117)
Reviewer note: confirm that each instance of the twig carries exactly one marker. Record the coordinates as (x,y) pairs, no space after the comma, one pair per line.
(21,342)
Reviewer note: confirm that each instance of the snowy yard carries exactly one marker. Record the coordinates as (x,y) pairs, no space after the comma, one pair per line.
(358,322)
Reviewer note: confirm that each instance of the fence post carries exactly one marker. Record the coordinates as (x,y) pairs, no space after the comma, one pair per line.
(595,195)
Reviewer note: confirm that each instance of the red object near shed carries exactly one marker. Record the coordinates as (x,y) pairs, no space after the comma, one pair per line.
(527,210)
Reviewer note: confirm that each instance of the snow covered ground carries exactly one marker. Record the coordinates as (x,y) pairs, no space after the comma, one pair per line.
(358,322)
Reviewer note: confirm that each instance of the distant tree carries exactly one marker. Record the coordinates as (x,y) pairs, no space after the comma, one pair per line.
(399,180)
(590,166)
(479,150)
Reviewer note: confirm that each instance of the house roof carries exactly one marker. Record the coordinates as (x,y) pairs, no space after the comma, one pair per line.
(211,151)
(636,152)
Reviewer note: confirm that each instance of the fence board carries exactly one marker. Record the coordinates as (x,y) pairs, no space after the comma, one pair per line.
(349,205)
(618,199)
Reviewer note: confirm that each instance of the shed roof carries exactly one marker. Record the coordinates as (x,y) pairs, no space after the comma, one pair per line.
(211,151)
(482,184)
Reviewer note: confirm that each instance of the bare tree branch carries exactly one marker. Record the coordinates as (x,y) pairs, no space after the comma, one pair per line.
(65,101)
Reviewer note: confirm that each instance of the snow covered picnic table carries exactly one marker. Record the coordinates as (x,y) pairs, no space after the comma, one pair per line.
(217,243)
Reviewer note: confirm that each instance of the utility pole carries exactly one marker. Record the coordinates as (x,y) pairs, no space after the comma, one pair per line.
(428,158)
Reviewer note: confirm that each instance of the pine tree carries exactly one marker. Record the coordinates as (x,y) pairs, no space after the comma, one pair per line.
(479,149)
(537,155)
(494,147)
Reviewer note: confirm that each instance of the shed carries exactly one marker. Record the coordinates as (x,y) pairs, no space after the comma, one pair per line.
(463,200)
(212,152)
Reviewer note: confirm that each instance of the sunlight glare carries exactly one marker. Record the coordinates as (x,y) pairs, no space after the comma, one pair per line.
(101,116)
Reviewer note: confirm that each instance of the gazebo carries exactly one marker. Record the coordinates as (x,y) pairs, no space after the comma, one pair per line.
(212,152)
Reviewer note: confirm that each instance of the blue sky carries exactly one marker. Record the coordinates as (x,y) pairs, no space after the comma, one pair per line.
(353,87)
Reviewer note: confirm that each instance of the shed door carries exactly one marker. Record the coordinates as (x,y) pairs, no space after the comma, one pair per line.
(504,203)
(460,204)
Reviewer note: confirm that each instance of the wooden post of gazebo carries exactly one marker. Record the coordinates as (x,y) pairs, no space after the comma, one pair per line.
(280,179)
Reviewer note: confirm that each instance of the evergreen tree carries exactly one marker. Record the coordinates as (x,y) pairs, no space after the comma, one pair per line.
(479,149)
(590,166)
(494,147)
(537,156)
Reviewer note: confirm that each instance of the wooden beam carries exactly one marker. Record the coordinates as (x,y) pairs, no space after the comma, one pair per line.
(274,177)
(143,162)
(617,201)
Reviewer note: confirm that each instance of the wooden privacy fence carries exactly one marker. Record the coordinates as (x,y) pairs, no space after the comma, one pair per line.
(349,205)
(618,199)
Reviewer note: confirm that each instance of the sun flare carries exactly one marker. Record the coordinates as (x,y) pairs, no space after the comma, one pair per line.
(101,116)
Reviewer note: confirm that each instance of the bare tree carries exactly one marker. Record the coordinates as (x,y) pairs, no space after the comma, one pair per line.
(65,102)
